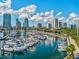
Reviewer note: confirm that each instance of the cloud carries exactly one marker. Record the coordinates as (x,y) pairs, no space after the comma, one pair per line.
(48,16)
(5,5)
(26,11)
(47,13)
(10,11)
(52,11)
(36,17)
(59,13)
(24,16)
(73,15)
(44,16)
(61,18)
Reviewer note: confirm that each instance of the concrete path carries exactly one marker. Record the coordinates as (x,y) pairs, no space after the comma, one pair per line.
(72,41)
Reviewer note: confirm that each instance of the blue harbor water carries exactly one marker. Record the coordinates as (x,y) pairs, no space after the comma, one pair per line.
(43,50)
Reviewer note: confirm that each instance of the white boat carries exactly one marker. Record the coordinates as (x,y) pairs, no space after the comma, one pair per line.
(21,44)
(61,47)
(13,49)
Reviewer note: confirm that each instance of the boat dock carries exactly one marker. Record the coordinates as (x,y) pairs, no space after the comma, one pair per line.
(21,44)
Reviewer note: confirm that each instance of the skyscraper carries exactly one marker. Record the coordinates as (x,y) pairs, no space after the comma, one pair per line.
(73,26)
(56,23)
(18,24)
(26,23)
(49,25)
(65,24)
(60,24)
(7,20)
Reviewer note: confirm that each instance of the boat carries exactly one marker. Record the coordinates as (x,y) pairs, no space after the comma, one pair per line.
(12,45)
(7,48)
(42,37)
(61,47)
(21,44)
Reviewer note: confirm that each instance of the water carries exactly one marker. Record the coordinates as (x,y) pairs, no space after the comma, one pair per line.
(43,50)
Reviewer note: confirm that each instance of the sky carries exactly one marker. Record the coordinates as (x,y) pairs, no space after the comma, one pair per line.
(64,6)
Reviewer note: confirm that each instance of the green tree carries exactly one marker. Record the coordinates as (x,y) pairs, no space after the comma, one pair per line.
(70,49)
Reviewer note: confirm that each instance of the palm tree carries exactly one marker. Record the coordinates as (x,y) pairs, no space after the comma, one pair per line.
(70,49)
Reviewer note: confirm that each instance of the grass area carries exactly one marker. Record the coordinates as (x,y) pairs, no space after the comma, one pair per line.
(68,57)
(70,32)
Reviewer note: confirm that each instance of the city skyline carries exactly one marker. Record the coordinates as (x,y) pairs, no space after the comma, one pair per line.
(37,8)
(39,29)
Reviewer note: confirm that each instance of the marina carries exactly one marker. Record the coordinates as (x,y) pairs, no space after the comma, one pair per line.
(30,46)
(20,44)
(39,29)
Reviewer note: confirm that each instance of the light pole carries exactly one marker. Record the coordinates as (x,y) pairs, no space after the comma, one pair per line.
(77,23)
(77,29)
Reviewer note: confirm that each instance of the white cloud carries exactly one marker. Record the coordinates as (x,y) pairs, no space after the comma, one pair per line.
(5,5)
(11,11)
(47,13)
(42,14)
(48,16)
(26,11)
(73,15)
(59,13)
(52,11)
(36,17)
(61,18)
(23,16)
(45,16)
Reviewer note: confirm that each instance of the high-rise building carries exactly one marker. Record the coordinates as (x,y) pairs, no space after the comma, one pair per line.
(56,23)
(18,24)
(7,20)
(65,24)
(49,25)
(26,23)
(39,25)
(60,24)
(73,26)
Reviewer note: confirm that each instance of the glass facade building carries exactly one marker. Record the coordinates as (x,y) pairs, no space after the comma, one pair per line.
(7,20)
(18,24)
(49,26)
(26,23)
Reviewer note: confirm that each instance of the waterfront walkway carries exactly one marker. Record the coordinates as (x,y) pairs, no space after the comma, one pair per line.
(72,41)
